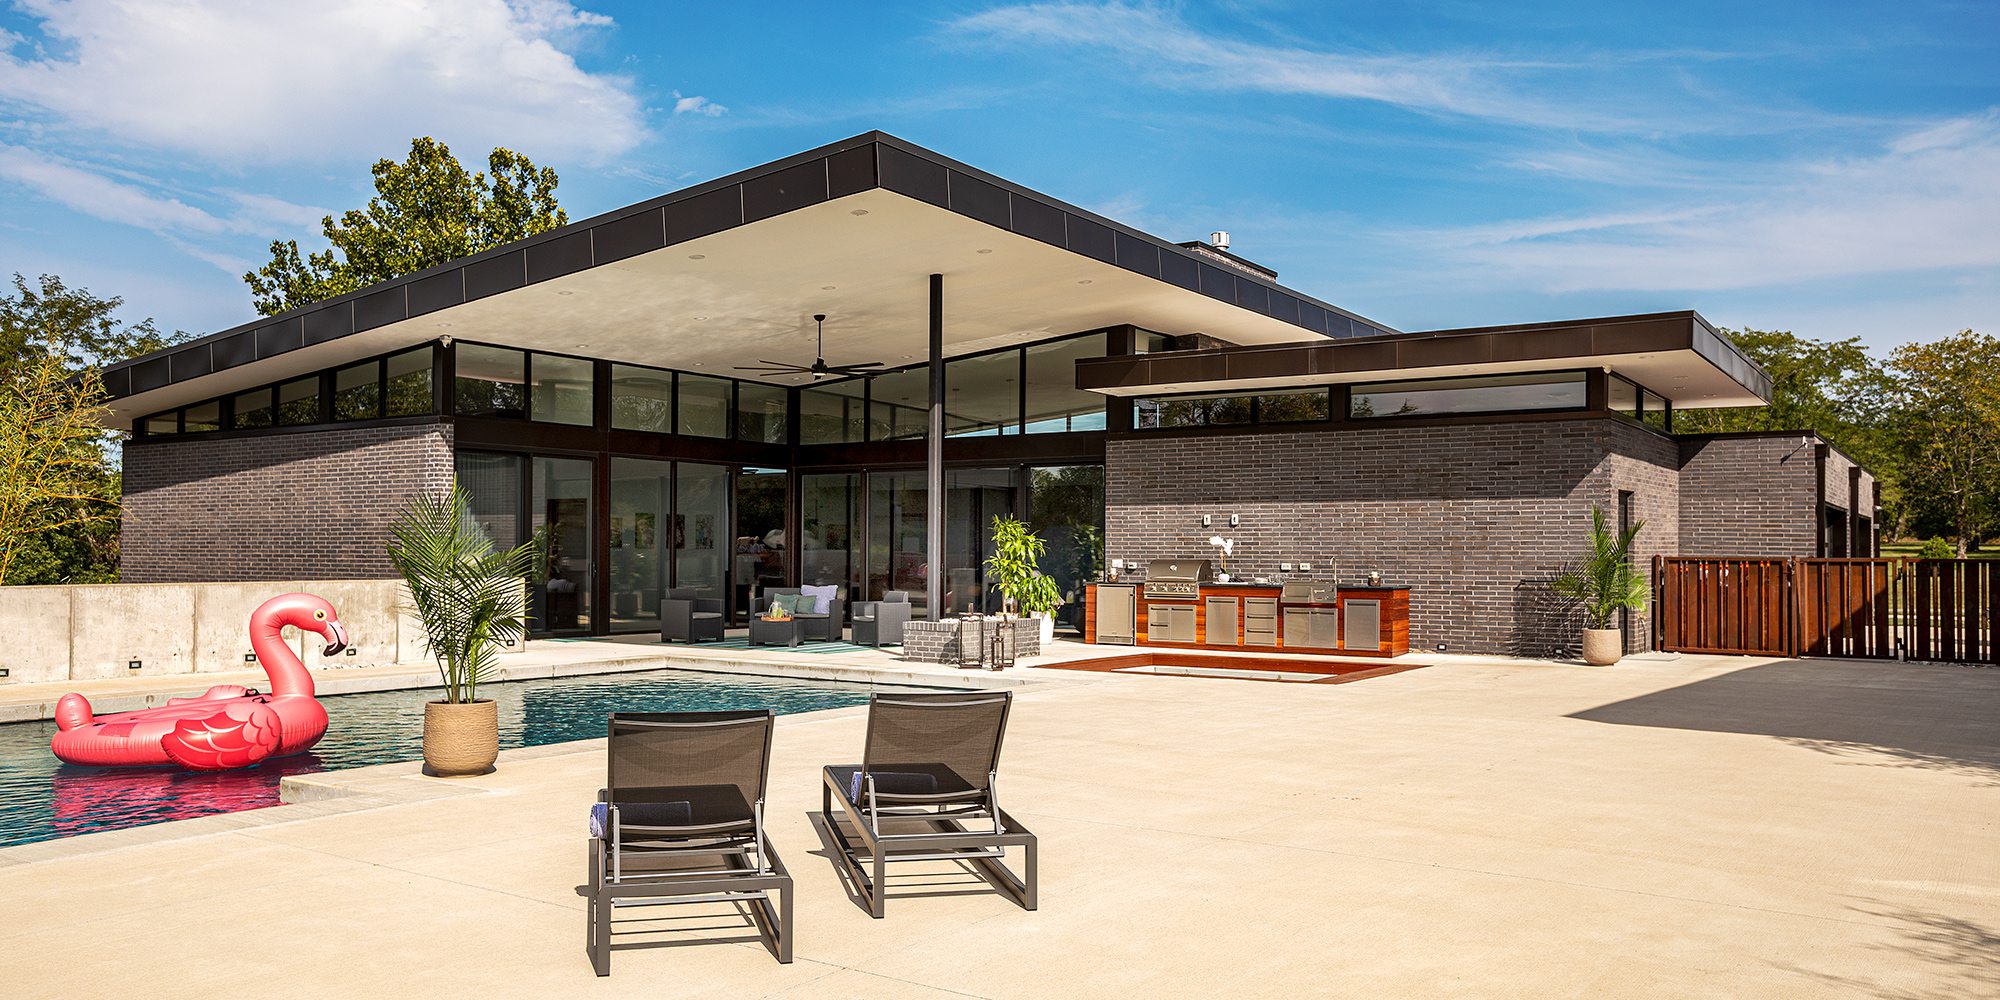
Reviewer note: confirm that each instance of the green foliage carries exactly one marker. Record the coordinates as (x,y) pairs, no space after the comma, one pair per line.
(52,476)
(1016,567)
(1948,394)
(1604,581)
(50,332)
(1936,548)
(427,210)
(470,596)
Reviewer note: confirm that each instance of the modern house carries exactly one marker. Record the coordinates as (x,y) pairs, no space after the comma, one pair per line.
(1127,395)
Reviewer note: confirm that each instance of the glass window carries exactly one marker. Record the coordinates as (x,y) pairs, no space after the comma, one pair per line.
(701,530)
(298,402)
(252,409)
(492,485)
(1066,508)
(1055,404)
(559,595)
(704,405)
(829,512)
(162,423)
(899,405)
(203,417)
(490,382)
(896,537)
(357,391)
(983,395)
(410,383)
(642,399)
(760,531)
(1654,411)
(640,541)
(1482,394)
(761,411)
(562,390)
(833,414)
(1191,411)
(1293,406)
(1623,397)
(1148,342)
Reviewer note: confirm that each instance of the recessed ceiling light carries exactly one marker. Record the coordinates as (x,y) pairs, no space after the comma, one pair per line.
(1710,395)
(826,288)
(1083,281)
(697,256)
(564,291)
(444,326)
(907,357)
(582,346)
(984,251)
(701,317)
(859,211)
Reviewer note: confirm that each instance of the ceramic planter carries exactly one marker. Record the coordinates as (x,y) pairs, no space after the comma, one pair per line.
(461,739)
(1603,647)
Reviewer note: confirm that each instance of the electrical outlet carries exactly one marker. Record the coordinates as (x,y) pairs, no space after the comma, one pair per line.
(1205,520)
(134,664)
(1235,519)
(1284,567)
(1305,567)
(249,657)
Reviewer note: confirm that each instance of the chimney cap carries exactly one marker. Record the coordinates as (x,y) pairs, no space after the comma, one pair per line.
(1219,239)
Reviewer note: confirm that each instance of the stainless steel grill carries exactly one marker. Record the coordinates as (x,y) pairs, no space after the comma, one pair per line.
(1175,579)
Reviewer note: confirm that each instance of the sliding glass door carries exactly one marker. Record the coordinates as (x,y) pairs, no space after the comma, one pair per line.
(640,544)
(560,504)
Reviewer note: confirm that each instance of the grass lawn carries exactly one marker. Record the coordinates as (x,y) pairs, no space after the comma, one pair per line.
(1908,550)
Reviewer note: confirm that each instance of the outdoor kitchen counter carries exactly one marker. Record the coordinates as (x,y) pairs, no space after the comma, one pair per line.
(1388,603)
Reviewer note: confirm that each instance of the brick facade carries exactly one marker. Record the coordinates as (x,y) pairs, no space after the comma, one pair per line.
(1752,495)
(309,505)
(1475,517)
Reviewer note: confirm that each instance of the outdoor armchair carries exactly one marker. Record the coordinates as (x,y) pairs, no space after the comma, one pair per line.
(880,623)
(681,820)
(926,790)
(686,616)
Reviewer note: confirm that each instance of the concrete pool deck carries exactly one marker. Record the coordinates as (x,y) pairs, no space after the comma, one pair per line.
(1681,827)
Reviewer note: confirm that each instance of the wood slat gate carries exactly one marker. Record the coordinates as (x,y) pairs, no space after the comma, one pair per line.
(1933,609)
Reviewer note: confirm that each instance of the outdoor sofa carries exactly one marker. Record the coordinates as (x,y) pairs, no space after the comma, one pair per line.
(825,624)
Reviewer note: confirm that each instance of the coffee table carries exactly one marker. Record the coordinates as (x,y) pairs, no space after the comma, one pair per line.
(765,632)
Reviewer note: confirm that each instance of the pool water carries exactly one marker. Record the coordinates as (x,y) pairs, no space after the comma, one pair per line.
(41,798)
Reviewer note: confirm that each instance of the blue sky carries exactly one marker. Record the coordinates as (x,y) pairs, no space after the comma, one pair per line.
(1830,168)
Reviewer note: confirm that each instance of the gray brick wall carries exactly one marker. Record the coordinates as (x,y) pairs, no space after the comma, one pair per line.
(1476,518)
(1749,496)
(313,505)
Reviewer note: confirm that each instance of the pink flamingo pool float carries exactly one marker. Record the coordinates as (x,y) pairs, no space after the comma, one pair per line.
(228,725)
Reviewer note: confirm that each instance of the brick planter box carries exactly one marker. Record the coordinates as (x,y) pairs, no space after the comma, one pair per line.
(939,641)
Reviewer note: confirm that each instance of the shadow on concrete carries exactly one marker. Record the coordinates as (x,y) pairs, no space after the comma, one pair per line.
(1877,713)
(1959,958)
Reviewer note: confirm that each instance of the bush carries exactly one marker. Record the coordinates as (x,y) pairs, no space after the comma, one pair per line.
(1937,548)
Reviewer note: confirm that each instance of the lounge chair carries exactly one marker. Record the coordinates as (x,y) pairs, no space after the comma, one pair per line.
(880,623)
(812,624)
(925,791)
(687,616)
(681,820)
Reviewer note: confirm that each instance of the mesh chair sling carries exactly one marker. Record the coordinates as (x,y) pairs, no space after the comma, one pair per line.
(931,762)
(684,822)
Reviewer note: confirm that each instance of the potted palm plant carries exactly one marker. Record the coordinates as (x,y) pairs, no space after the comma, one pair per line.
(1016,568)
(1603,583)
(471,599)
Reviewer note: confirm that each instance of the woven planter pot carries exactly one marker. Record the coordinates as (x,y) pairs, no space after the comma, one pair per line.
(461,739)
(1603,647)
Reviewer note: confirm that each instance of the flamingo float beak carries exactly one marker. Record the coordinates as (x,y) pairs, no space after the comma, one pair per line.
(336,639)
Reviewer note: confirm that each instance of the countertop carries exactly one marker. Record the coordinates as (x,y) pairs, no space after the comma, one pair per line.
(1247,585)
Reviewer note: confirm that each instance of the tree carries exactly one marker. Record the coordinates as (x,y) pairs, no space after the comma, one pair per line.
(1948,395)
(52,340)
(1833,387)
(427,210)
(52,475)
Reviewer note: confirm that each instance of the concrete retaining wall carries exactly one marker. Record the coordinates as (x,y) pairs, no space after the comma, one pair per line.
(93,632)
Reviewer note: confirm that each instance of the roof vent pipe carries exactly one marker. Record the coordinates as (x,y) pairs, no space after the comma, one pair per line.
(1219,239)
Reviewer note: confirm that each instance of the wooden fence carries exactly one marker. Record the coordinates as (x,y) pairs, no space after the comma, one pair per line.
(1928,609)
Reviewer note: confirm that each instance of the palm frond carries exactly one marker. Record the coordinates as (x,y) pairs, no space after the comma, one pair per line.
(470,597)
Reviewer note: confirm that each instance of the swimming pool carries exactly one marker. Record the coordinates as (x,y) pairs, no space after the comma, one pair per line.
(42,798)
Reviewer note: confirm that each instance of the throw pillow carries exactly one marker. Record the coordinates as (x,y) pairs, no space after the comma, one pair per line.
(822,598)
(787,603)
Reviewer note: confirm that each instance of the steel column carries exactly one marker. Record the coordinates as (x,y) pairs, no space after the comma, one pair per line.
(934,462)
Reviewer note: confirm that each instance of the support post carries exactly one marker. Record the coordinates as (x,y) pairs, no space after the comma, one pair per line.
(934,462)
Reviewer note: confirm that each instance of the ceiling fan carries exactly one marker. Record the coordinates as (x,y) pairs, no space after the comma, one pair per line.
(819,368)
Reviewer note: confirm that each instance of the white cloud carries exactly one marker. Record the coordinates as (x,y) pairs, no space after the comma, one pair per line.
(238,81)
(697,105)
(94,194)
(1160,44)
(1928,200)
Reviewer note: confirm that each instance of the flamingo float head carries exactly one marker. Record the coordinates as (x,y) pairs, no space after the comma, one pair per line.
(307,613)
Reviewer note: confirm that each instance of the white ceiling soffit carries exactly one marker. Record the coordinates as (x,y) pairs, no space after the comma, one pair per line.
(749,294)
(1684,377)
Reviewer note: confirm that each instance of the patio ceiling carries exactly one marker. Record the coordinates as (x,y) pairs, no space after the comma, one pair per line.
(730,273)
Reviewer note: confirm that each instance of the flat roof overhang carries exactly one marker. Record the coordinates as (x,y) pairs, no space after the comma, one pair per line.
(730,273)
(1678,355)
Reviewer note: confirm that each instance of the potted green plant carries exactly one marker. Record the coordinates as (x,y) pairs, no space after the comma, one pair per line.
(471,599)
(1017,573)
(1603,583)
